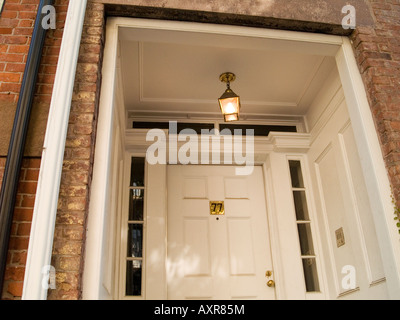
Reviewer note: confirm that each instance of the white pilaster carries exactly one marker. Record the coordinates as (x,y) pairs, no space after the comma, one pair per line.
(45,210)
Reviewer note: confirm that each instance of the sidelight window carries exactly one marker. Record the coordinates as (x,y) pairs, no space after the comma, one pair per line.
(134,255)
(303,221)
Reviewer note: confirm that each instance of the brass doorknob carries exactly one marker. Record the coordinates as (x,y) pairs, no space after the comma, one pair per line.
(270,283)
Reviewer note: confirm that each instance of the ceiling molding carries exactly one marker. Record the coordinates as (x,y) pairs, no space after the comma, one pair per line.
(137,140)
(167,66)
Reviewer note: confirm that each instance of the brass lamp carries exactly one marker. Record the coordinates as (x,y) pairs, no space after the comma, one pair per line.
(229,101)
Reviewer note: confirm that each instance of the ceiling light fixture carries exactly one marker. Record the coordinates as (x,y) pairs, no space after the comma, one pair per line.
(229,101)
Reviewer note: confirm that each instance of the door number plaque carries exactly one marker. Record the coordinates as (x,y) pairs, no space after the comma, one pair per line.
(217,208)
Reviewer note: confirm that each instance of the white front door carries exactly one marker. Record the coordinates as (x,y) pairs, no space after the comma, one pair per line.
(217,257)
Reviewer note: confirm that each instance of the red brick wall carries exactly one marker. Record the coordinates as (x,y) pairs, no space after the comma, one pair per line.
(377,51)
(19,240)
(16,27)
(48,66)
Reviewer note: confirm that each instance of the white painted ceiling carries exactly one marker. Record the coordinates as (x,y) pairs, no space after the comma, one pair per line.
(178,72)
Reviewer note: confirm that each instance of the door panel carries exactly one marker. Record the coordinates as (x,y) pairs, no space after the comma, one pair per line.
(196,233)
(241,249)
(345,210)
(217,257)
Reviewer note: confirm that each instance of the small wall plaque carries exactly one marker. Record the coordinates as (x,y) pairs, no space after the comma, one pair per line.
(340,237)
(217,208)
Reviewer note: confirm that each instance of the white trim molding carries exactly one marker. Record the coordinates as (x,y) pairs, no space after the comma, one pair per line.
(45,210)
(92,275)
(378,185)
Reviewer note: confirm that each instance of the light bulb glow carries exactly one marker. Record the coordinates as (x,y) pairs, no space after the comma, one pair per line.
(230,108)
(229,102)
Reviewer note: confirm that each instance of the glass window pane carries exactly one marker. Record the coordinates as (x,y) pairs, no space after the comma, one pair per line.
(306,243)
(295,173)
(300,204)
(137,172)
(310,274)
(136,200)
(135,241)
(197,127)
(259,130)
(134,278)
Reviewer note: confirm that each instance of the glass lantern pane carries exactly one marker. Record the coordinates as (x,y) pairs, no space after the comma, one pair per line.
(230,105)
(135,241)
(134,278)
(137,172)
(231,117)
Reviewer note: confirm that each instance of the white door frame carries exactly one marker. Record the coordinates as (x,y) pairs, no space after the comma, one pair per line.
(272,151)
(366,137)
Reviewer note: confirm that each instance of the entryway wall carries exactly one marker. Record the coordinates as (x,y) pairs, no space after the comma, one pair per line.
(353,265)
